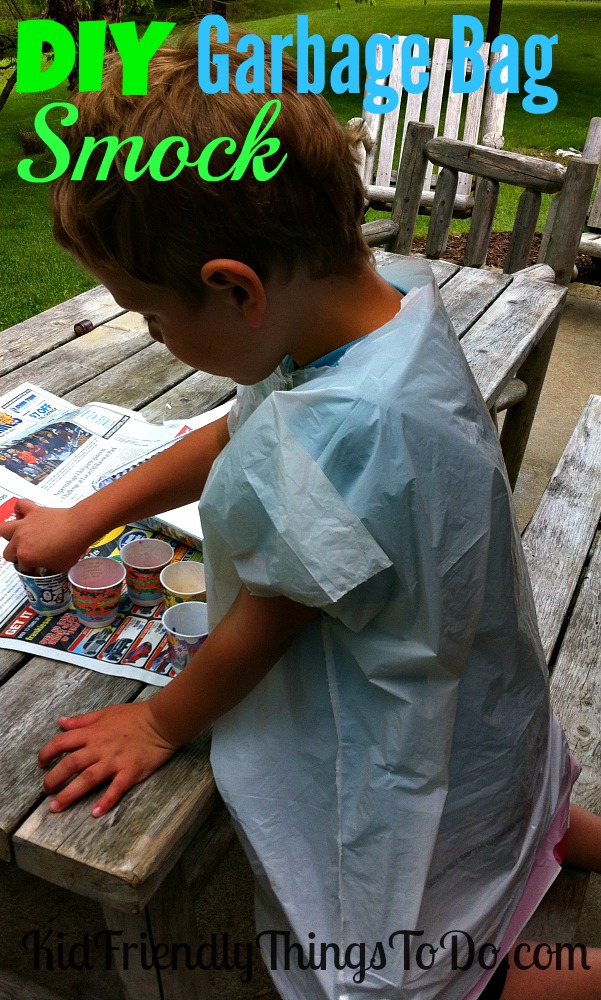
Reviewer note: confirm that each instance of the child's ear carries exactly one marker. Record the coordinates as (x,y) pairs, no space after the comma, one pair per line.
(240,285)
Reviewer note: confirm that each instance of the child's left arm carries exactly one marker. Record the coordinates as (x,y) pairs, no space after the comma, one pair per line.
(125,744)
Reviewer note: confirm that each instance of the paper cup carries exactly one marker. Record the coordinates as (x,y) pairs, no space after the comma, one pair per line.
(187,627)
(96,586)
(183,581)
(48,595)
(144,559)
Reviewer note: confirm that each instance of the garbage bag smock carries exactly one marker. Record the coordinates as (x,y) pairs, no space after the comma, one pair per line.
(398,775)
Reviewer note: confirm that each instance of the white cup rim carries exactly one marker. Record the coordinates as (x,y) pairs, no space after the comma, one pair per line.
(186,609)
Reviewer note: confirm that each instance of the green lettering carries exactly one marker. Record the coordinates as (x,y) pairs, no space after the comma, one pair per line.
(31,79)
(136,53)
(56,145)
(113,145)
(156,158)
(255,141)
(203,160)
(91,55)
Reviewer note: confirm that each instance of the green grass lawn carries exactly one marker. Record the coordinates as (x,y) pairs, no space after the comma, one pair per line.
(35,274)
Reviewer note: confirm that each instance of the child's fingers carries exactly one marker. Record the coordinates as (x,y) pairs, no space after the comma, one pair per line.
(116,790)
(72,763)
(93,776)
(62,743)
(23,507)
(68,722)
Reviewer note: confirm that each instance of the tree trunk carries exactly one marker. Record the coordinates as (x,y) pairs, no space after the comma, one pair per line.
(495,12)
(8,88)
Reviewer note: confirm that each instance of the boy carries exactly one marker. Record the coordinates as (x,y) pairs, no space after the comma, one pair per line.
(382,729)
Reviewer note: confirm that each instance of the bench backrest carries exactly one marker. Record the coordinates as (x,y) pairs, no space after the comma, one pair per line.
(572,186)
(592,151)
(384,135)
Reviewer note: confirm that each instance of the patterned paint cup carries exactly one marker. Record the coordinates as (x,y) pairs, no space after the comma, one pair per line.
(187,627)
(48,595)
(96,586)
(144,559)
(183,581)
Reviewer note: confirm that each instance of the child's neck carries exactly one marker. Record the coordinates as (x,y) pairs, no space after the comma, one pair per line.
(337,310)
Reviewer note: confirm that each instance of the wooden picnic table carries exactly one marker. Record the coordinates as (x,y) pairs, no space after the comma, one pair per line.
(141,861)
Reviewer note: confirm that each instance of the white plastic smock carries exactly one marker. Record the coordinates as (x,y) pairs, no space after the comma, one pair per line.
(398,774)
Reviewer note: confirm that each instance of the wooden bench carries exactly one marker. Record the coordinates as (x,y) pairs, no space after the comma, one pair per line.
(590,242)
(381,137)
(565,569)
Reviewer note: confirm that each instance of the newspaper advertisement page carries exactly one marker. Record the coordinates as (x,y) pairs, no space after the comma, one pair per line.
(134,645)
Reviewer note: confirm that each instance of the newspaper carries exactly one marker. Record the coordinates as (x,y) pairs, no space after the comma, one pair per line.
(134,645)
(54,454)
(73,451)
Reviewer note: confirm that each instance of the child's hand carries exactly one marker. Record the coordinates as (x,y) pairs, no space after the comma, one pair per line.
(119,743)
(44,537)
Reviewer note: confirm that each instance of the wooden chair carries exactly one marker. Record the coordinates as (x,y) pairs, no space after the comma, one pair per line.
(381,137)
(590,241)
(572,187)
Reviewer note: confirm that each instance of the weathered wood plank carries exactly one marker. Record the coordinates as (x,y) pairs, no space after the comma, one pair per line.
(592,151)
(438,69)
(518,420)
(473,115)
(523,231)
(443,270)
(390,119)
(563,233)
(493,118)
(497,344)
(122,858)
(42,333)
(80,360)
(485,206)
(559,536)
(592,145)
(167,919)
(10,659)
(469,294)
(513,393)
(408,193)
(594,213)
(31,701)
(375,193)
(196,394)
(499,165)
(442,213)
(576,686)
(134,381)
(379,232)
(591,244)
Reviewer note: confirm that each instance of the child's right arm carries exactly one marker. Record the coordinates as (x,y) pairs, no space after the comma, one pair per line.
(56,538)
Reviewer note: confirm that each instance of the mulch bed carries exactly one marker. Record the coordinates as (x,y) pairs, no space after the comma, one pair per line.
(589,268)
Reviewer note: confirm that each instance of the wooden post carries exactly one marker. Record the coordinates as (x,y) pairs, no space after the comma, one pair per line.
(518,419)
(442,213)
(562,235)
(592,145)
(485,206)
(523,231)
(166,921)
(410,184)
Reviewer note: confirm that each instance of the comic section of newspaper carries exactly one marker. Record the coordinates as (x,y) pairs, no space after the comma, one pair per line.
(55,454)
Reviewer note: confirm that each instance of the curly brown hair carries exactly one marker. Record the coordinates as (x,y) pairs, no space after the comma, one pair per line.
(309,213)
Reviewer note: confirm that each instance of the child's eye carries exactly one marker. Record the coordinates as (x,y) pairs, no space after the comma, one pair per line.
(149,319)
